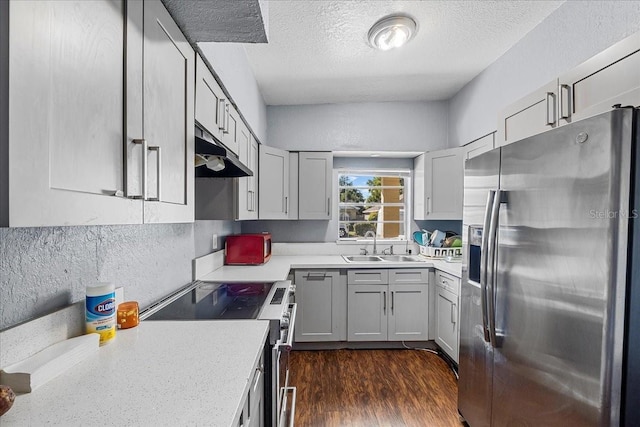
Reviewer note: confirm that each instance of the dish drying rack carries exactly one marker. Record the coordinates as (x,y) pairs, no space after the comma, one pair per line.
(433,252)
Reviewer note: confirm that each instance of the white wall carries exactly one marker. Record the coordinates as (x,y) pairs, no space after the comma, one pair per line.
(230,62)
(576,31)
(379,126)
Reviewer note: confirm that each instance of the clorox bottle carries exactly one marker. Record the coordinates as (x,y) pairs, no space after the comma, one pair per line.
(100,311)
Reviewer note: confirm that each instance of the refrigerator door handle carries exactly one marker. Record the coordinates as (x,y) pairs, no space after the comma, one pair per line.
(484,254)
(491,265)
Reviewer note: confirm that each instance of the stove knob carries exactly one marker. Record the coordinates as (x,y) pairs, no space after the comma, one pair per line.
(284,323)
(286,315)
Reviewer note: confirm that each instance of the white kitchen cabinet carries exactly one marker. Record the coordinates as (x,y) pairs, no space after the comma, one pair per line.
(74,141)
(273,183)
(388,305)
(611,77)
(315,185)
(535,113)
(479,146)
(438,188)
(447,314)
(321,296)
(210,101)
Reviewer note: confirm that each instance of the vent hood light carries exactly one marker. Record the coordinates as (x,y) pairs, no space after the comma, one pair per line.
(213,161)
(392,31)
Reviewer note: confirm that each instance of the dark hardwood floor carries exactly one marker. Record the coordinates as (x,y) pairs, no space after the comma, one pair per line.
(373,388)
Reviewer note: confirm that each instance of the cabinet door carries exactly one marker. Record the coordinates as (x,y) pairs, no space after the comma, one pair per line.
(168,118)
(315,185)
(273,183)
(443,184)
(528,116)
(252,186)
(593,87)
(419,192)
(479,146)
(244,196)
(409,312)
(65,116)
(210,100)
(367,312)
(322,306)
(447,321)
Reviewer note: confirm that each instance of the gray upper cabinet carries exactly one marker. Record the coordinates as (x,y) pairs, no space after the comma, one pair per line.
(246,186)
(79,151)
(273,184)
(315,185)
(438,184)
(211,102)
(595,86)
(479,146)
(611,77)
(535,113)
(231,133)
(169,67)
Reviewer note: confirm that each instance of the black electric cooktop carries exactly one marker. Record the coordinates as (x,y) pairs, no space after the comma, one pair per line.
(211,301)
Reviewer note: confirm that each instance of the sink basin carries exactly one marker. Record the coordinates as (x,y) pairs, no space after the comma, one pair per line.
(400,258)
(361,258)
(379,258)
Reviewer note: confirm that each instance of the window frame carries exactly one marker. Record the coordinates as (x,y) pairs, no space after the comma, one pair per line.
(406,205)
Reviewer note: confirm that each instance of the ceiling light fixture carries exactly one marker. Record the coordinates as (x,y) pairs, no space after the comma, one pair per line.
(392,31)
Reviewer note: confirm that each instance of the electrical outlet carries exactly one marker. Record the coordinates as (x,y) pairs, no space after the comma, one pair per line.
(214,242)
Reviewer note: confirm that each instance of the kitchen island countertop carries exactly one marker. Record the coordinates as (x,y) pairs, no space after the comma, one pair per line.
(160,373)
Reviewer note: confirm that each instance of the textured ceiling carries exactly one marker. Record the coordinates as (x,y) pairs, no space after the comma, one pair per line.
(243,21)
(318,50)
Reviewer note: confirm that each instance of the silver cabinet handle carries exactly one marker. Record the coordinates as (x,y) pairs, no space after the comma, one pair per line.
(454,313)
(226,118)
(316,275)
(392,301)
(484,255)
(286,204)
(249,200)
(428,205)
(565,101)
(551,108)
(159,172)
(384,302)
(329,206)
(221,115)
(143,193)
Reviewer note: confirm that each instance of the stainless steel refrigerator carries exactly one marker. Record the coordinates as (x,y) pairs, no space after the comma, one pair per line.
(550,311)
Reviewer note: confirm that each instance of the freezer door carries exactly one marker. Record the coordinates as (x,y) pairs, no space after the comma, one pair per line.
(475,357)
(559,289)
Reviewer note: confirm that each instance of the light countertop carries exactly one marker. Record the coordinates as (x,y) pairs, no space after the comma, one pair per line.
(181,373)
(277,268)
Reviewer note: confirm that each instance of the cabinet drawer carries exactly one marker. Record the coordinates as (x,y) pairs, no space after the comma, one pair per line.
(408,276)
(368,277)
(447,281)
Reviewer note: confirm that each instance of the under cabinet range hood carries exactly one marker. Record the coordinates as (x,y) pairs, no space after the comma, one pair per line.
(214,161)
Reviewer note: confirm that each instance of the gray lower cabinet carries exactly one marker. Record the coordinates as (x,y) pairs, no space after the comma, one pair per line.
(388,305)
(321,296)
(252,414)
(447,313)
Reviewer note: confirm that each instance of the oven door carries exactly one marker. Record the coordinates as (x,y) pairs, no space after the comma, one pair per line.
(286,404)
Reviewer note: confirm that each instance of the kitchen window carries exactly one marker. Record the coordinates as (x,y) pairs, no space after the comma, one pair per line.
(373,204)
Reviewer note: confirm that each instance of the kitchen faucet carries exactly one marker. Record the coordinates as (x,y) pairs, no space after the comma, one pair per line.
(375,250)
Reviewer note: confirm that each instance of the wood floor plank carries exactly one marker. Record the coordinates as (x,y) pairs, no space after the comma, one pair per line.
(373,388)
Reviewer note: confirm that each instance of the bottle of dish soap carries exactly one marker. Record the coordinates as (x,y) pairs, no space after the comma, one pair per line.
(100,311)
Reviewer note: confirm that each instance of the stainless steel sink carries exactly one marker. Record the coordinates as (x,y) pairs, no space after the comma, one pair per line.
(401,258)
(382,258)
(361,258)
